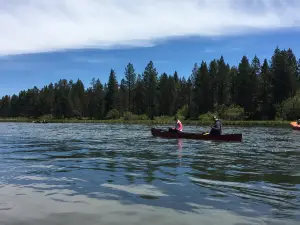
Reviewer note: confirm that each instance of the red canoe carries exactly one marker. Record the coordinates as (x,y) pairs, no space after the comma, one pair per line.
(197,136)
(295,126)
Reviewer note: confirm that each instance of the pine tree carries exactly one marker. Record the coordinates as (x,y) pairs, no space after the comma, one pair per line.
(62,104)
(265,92)
(77,97)
(124,97)
(222,82)
(139,99)
(284,74)
(213,71)
(130,82)
(5,106)
(196,94)
(96,103)
(14,109)
(205,91)
(259,89)
(255,79)
(163,94)
(245,88)
(177,83)
(194,74)
(233,79)
(201,93)
(112,94)
(166,95)
(150,82)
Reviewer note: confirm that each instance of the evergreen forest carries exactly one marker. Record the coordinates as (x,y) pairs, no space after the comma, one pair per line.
(251,90)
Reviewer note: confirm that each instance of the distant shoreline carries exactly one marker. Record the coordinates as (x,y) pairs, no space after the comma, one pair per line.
(271,123)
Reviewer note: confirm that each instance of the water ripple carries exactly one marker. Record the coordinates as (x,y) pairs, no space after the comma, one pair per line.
(122,166)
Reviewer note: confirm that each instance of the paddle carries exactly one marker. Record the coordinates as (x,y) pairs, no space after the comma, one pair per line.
(204,132)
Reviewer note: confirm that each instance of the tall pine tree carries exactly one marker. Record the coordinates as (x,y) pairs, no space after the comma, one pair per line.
(150,82)
(130,82)
(112,94)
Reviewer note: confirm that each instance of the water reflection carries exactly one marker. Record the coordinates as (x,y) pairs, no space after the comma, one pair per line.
(124,167)
(179,147)
(63,207)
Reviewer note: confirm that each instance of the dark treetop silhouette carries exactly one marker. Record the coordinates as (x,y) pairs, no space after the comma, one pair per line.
(257,90)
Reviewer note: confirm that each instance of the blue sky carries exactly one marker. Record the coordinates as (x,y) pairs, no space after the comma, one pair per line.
(44,41)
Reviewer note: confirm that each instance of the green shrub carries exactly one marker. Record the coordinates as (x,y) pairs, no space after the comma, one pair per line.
(206,116)
(220,110)
(233,112)
(163,118)
(47,116)
(181,118)
(279,111)
(131,116)
(290,108)
(128,116)
(143,117)
(168,118)
(183,112)
(113,114)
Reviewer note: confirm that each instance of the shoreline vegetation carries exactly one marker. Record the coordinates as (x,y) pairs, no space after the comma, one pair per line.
(252,93)
(157,121)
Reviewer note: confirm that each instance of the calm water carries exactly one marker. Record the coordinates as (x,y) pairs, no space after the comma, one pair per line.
(75,174)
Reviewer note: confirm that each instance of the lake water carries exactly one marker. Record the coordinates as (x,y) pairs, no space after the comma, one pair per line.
(88,174)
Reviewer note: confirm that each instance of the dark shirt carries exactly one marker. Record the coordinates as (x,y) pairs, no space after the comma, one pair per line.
(216,128)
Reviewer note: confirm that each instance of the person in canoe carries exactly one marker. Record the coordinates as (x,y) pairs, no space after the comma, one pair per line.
(178,126)
(298,121)
(216,129)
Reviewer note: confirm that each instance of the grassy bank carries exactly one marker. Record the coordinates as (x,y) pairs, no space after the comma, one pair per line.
(275,123)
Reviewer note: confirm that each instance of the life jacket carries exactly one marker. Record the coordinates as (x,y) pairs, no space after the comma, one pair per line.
(179,126)
(221,125)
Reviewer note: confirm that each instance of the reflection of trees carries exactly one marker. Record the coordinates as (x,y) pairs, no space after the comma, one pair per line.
(245,174)
(149,162)
(111,164)
(150,169)
(130,178)
(130,168)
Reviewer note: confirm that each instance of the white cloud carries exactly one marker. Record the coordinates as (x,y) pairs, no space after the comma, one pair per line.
(223,49)
(210,50)
(91,60)
(31,26)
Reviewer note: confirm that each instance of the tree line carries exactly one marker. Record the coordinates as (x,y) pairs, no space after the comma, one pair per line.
(251,90)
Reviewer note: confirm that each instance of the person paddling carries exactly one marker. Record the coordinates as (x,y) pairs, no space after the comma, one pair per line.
(178,126)
(216,129)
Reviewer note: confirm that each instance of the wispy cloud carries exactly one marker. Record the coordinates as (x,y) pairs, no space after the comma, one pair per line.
(233,49)
(210,50)
(18,65)
(50,25)
(222,49)
(91,60)
(160,62)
